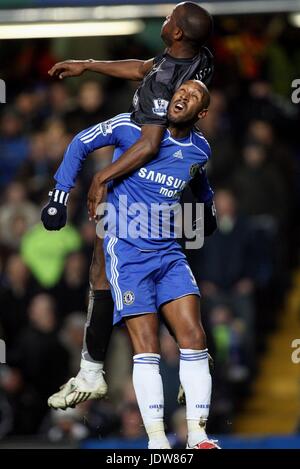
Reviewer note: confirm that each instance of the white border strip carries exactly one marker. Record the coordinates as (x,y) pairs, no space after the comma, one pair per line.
(118,12)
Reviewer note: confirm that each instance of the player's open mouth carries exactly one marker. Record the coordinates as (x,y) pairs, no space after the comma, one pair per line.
(179,106)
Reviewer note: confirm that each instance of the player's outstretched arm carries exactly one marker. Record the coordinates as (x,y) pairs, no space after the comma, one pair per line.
(126,69)
(134,158)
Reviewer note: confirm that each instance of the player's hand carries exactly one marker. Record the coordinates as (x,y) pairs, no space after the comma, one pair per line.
(96,196)
(68,68)
(54,214)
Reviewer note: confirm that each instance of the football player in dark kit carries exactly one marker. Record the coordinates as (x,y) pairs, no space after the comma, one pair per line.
(185,31)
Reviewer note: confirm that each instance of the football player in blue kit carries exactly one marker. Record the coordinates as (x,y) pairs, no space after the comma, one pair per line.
(185,31)
(150,273)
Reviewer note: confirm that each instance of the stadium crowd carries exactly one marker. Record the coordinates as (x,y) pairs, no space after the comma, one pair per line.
(243,270)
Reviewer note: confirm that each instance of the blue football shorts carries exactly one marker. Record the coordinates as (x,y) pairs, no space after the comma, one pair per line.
(141,281)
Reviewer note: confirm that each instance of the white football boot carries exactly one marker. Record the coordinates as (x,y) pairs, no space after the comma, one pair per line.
(85,386)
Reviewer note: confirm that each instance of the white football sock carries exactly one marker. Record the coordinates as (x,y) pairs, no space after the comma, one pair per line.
(90,371)
(148,388)
(196,381)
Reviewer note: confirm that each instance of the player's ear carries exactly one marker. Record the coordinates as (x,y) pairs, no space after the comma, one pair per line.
(178,34)
(202,114)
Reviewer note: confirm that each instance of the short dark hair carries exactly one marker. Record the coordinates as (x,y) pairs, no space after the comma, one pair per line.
(205,97)
(195,22)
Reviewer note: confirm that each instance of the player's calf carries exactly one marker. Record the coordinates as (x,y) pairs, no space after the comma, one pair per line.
(147,382)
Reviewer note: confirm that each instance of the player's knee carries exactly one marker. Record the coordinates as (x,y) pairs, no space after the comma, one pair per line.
(193,338)
(146,343)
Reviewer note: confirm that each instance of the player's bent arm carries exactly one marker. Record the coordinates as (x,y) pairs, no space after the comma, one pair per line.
(126,69)
(136,156)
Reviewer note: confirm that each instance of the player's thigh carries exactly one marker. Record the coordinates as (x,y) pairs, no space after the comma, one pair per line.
(143,331)
(175,279)
(183,316)
(98,279)
(129,272)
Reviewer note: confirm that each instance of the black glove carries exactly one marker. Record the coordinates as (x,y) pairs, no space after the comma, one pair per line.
(54,215)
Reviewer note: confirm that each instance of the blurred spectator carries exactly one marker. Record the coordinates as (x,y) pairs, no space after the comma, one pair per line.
(259,186)
(228,264)
(56,140)
(72,289)
(38,352)
(178,433)
(67,426)
(17,215)
(19,403)
(44,252)
(229,335)
(27,105)
(132,427)
(278,150)
(15,294)
(89,108)
(102,418)
(59,98)
(72,337)
(13,145)
(119,357)
(217,128)
(34,172)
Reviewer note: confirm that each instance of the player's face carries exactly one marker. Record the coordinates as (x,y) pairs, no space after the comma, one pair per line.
(168,28)
(187,104)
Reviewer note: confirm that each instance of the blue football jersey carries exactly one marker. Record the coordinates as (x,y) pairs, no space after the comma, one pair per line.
(138,200)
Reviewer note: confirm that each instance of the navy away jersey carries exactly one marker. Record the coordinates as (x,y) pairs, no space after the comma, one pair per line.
(151,100)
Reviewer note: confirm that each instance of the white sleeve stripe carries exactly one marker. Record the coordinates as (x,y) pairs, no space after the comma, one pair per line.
(93,129)
(56,195)
(90,134)
(127,124)
(117,124)
(87,137)
(61,197)
(66,199)
(88,140)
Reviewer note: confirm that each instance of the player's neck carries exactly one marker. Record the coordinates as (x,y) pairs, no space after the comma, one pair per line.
(179,50)
(179,132)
